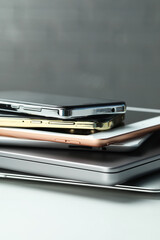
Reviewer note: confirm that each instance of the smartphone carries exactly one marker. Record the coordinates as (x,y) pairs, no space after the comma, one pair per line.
(91,124)
(149,122)
(56,106)
(102,168)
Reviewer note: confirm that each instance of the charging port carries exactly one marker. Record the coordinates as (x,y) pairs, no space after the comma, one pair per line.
(6,107)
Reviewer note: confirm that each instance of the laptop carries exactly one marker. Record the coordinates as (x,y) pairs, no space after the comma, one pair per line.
(102,168)
(149,183)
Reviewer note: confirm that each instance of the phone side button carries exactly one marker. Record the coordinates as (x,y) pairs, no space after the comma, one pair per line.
(73,142)
(36,121)
(15,106)
(32,109)
(60,140)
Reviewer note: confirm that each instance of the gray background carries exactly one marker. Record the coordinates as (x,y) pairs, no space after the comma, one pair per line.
(103,48)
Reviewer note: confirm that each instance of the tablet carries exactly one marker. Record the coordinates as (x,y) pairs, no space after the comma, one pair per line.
(126,146)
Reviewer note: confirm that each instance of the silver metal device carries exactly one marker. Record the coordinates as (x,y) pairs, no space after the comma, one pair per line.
(102,168)
(146,184)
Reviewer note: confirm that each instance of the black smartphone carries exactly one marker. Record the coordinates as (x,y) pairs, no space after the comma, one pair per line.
(57,106)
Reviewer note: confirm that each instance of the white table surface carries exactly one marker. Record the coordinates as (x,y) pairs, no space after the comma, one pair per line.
(31,210)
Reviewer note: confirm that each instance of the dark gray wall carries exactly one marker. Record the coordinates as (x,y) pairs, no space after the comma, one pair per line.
(107,48)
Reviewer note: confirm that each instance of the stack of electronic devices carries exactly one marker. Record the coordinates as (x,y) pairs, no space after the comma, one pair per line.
(95,142)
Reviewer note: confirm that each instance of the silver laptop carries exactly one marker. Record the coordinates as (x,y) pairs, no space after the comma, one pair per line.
(149,183)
